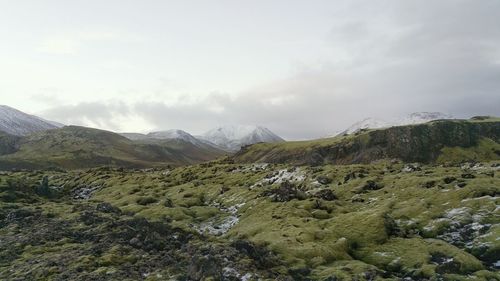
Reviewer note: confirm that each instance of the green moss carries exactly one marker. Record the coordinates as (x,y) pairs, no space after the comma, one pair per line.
(353,236)
(485,150)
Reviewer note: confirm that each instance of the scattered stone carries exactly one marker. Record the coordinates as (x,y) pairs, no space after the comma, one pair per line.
(217,226)
(357,199)
(285,175)
(429,184)
(349,177)
(168,203)
(371,185)
(325,194)
(84,192)
(444,263)
(408,168)
(449,180)
(224,189)
(468,176)
(286,192)
(107,208)
(324,180)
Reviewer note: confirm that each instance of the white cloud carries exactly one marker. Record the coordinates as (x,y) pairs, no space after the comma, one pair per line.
(71,43)
(63,46)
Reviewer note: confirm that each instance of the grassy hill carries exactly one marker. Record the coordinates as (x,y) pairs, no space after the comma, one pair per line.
(80,147)
(437,141)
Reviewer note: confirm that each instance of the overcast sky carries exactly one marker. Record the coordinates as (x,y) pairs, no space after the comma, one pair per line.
(303,69)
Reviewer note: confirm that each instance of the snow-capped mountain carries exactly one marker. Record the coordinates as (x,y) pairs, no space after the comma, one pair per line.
(422,117)
(15,122)
(175,134)
(135,136)
(410,119)
(233,137)
(367,123)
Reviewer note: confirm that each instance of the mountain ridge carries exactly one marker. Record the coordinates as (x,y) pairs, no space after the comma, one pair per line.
(473,139)
(233,137)
(16,122)
(410,119)
(74,147)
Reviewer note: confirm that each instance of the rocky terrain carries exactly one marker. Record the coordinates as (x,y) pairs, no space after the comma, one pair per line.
(223,221)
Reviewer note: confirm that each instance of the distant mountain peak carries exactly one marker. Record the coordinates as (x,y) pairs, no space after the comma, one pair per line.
(174,134)
(410,119)
(367,123)
(233,137)
(422,117)
(16,122)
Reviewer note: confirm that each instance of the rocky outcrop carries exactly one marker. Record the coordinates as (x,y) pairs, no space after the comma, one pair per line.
(415,143)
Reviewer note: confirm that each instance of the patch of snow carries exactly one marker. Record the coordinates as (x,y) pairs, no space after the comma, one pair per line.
(228,272)
(175,134)
(256,167)
(246,277)
(452,213)
(84,192)
(15,122)
(487,197)
(422,117)
(383,254)
(291,175)
(218,227)
(368,123)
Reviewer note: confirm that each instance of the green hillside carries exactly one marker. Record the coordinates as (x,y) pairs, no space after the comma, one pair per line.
(438,141)
(74,147)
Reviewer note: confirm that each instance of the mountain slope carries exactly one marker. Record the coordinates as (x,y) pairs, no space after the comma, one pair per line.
(410,119)
(134,136)
(15,122)
(429,142)
(368,123)
(79,147)
(421,117)
(233,137)
(176,134)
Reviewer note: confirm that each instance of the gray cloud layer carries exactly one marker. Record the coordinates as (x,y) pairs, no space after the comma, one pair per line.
(389,58)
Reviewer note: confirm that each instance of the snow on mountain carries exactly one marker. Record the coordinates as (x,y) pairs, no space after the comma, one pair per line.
(367,123)
(175,134)
(422,117)
(233,137)
(15,122)
(134,136)
(410,119)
